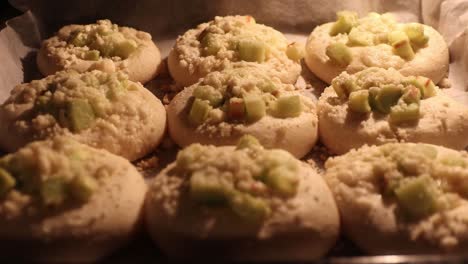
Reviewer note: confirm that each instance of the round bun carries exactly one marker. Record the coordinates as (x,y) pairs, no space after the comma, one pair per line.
(299,228)
(44,227)
(96,108)
(119,49)
(372,187)
(430,60)
(442,120)
(214,45)
(295,134)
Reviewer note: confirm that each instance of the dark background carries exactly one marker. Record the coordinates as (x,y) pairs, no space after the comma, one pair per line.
(7,12)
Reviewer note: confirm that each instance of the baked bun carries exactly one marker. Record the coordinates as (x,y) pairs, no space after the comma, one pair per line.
(101,46)
(402,198)
(377,106)
(241,203)
(226,40)
(353,44)
(62,201)
(103,110)
(225,105)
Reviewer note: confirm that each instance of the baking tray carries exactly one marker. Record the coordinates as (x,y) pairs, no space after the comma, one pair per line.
(166,19)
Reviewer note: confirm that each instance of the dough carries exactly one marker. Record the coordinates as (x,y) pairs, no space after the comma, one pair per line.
(402,198)
(430,60)
(103,110)
(102,46)
(442,120)
(252,221)
(70,202)
(222,125)
(217,44)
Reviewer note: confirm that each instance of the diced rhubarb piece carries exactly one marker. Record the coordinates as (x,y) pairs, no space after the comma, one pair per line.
(247,141)
(248,208)
(199,111)
(252,50)
(387,97)
(360,38)
(282,180)
(288,106)
(417,197)
(344,87)
(236,108)
(339,54)
(411,95)
(54,191)
(80,114)
(210,45)
(208,190)
(415,32)
(346,21)
(125,48)
(359,101)
(92,55)
(401,113)
(401,44)
(295,51)
(82,187)
(255,107)
(208,93)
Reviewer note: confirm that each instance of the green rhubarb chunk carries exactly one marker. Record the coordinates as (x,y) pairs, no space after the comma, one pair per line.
(80,114)
(116,89)
(255,107)
(210,44)
(208,189)
(82,187)
(415,32)
(282,180)
(373,94)
(199,111)
(236,108)
(401,113)
(359,101)
(125,48)
(417,197)
(360,38)
(288,106)
(295,51)
(344,88)
(428,86)
(387,97)
(92,55)
(346,21)
(7,182)
(339,54)
(247,141)
(54,191)
(79,39)
(249,208)
(268,87)
(252,50)
(411,95)
(208,93)
(401,44)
